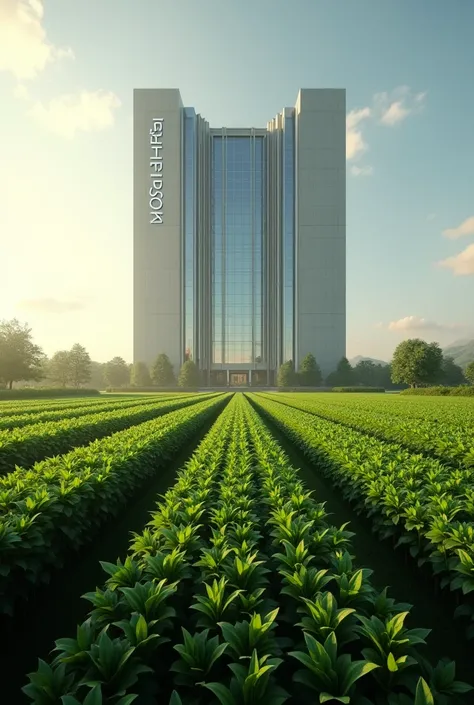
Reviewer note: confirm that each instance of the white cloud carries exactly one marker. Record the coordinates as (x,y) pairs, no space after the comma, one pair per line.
(392,108)
(388,109)
(461,264)
(418,323)
(24,48)
(86,111)
(361,170)
(355,144)
(50,305)
(466,228)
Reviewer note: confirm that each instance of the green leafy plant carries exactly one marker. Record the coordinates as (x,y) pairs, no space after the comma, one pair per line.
(137,631)
(94,697)
(391,645)
(243,637)
(214,605)
(48,683)
(122,574)
(246,573)
(323,617)
(113,666)
(172,567)
(150,600)
(198,654)
(304,583)
(332,676)
(251,685)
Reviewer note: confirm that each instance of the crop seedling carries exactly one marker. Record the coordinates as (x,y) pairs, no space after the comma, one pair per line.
(332,676)
(391,646)
(324,617)
(243,637)
(198,654)
(251,685)
(214,605)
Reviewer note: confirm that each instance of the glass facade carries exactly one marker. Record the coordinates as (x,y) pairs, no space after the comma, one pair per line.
(237,222)
(189,230)
(288,263)
(239,281)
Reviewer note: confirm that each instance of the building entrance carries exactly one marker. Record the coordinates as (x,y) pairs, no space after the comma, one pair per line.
(238,379)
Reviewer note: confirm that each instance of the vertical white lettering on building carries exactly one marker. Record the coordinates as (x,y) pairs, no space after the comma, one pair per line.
(155,191)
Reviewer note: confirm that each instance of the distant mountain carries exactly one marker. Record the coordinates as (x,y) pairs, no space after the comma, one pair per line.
(359,358)
(462,352)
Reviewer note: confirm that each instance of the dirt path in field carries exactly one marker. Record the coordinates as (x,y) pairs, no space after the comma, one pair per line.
(55,610)
(407,582)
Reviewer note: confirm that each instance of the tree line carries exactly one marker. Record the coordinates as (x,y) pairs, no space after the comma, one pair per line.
(415,363)
(22,360)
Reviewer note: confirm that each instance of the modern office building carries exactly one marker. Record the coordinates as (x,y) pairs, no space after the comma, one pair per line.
(240,237)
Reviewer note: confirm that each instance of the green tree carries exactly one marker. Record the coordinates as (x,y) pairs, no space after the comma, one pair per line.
(116,373)
(20,358)
(451,374)
(96,380)
(417,363)
(162,371)
(286,374)
(469,373)
(79,365)
(366,373)
(343,376)
(59,368)
(189,375)
(139,375)
(310,372)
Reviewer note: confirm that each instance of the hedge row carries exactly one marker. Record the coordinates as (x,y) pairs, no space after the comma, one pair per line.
(153,390)
(48,392)
(359,390)
(461,391)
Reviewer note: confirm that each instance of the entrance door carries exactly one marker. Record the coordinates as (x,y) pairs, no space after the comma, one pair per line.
(238,379)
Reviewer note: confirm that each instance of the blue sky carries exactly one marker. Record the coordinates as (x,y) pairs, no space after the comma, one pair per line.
(67,73)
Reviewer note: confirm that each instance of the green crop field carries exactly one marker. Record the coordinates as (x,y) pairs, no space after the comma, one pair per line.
(242,549)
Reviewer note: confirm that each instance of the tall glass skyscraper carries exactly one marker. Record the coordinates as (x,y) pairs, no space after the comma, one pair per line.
(239,237)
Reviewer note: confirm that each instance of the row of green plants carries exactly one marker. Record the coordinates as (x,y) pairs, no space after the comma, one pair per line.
(452,444)
(46,393)
(22,447)
(240,592)
(155,567)
(23,406)
(19,419)
(415,501)
(61,502)
(20,408)
(463,390)
(445,411)
(441,410)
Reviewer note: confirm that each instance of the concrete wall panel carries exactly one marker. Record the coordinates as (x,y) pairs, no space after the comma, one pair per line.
(331,99)
(323,157)
(321,231)
(157,247)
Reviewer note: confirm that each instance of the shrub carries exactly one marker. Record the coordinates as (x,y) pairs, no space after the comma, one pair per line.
(358,389)
(147,390)
(461,391)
